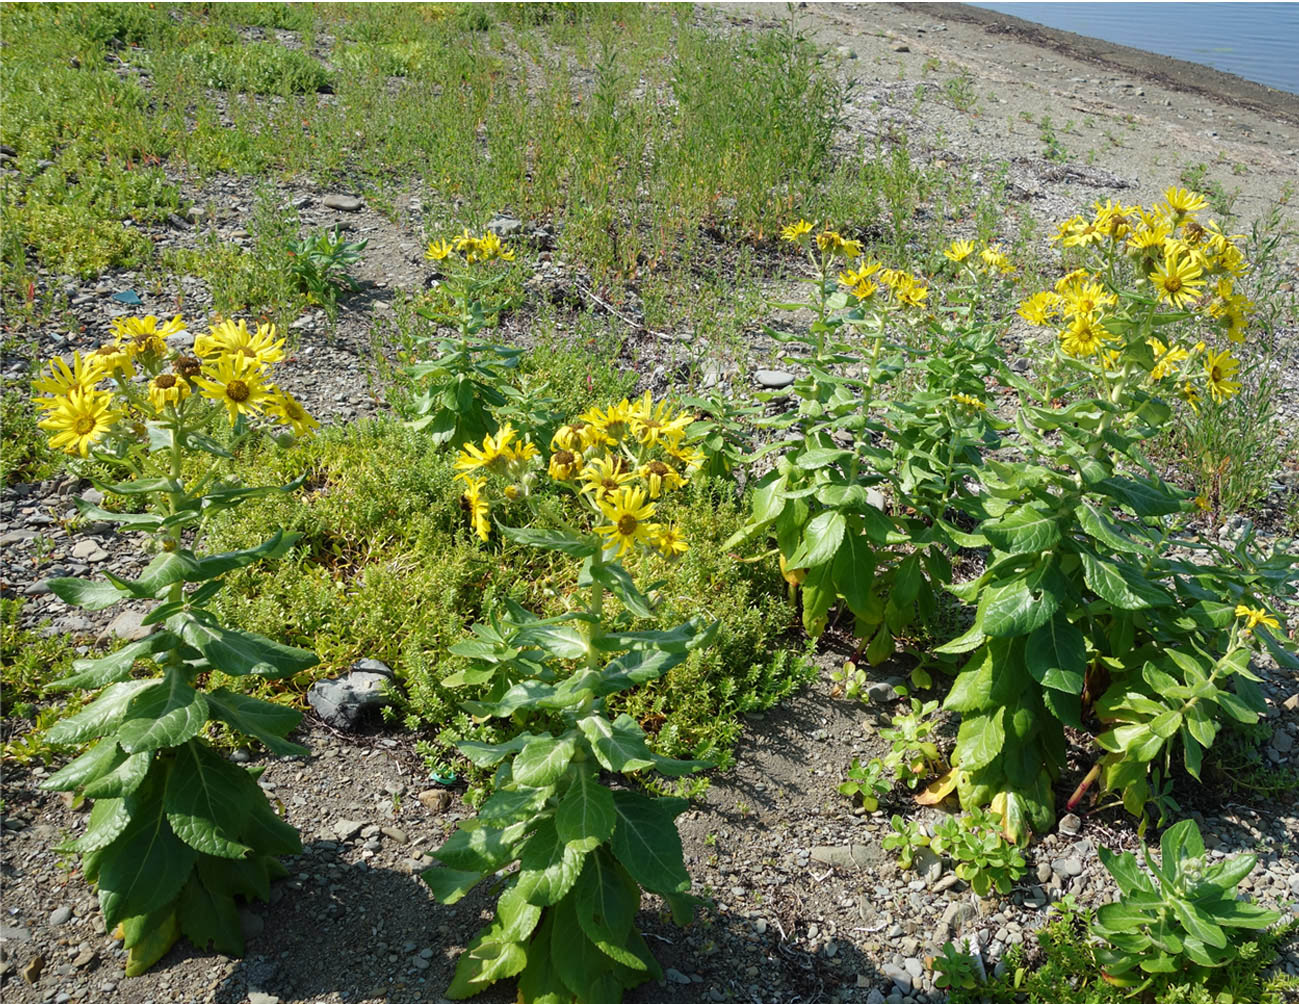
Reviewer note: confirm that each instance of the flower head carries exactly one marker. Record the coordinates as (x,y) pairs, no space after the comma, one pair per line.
(628,514)
(79,419)
(60,379)
(437,250)
(236,382)
(477,505)
(144,335)
(795,232)
(1040,308)
(669,542)
(284,407)
(967,401)
(229,338)
(1181,201)
(1219,368)
(564,465)
(660,477)
(958,251)
(1254,616)
(605,476)
(1177,280)
(165,389)
(653,423)
(1166,358)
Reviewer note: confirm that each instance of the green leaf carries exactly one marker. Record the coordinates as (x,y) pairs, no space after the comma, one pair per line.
(821,540)
(646,842)
(448,885)
(166,714)
(1023,530)
(548,867)
(605,902)
(543,761)
(818,457)
(86,594)
(97,761)
(1119,585)
(1056,656)
(853,572)
(506,805)
(209,917)
(264,721)
(125,777)
(1234,913)
(1017,607)
(587,973)
(115,667)
(474,847)
(1144,497)
(980,739)
(618,581)
(108,818)
(618,745)
(240,652)
(148,938)
(545,540)
(146,866)
(211,566)
(490,754)
(585,813)
(99,717)
(1098,526)
(206,801)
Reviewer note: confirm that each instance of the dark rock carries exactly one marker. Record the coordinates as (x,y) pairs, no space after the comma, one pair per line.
(347,702)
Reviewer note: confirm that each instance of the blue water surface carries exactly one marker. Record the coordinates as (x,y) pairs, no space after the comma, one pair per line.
(1257,41)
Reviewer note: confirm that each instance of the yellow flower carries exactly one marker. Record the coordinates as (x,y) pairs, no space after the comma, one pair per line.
(690,456)
(1080,233)
(651,423)
(143,335)
(229,338)
(236,382)
(1181,201)
(660,477)
(79,419)
(1190,395)
(995,259)
(1113,219)
(165,389)
(605,476)
(1219,368)
(564,464)
(61,379)
(437,250)
(958,251)
(612,423)
(1082,299)
(1040,308)
(284,407)
(795,232)
(669,542)
(912,294)
(1254,616)
(628,514)
(969,402)
(1166,358)
(855,277)
(496,452)
(1084,337)
(836,244)
(1070,280)
(113,360)
(477,505)
(863,291)
(1177,280)
(576,436)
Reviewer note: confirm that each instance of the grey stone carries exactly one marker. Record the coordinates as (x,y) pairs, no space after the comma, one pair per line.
(257,997)
(1021,365)
(344,703)
(900,977)
(1070,825)
(89,550)
(1282,741)
(958,915)
(17,536)
(196,214)
(916,968)
(126,625)
(60,916)
(346,829)
(676,976)
(928,865)
(884,691)
(1043,872)
(1067,867)
(773,379)
(343,203)
(92,495)
(843,52)
(875,997)
(394,834)
(10,932)
(251,923)
(504,226)
(901,47)
(849,856)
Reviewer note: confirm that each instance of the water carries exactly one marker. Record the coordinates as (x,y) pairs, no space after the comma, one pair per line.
(1257,41)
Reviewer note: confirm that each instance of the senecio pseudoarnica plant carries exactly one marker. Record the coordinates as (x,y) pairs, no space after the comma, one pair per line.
(566,804)
(177,831)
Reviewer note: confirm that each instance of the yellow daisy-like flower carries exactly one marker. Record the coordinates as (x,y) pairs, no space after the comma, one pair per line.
(144,335)
(486,248)
(912,294)
(660,477)
(1081,233)
(576,436)
(612,423)
(113,360)
(652,423)
(80,419)
(958,251)
(628,514)
(605,476)
(1114,220)
(465,242)
(993,258)
(795,232)
(836,244)
(1073,280)
(1066,229)
(1190,395)
(1040,308)
(1166,358)
(1254,616)
(496,452)
(691,457)
(229,338)
(165,389)
(1177,280)
(437,250)
(477,505)
(1181,201)
(564,465)
(863,291)
(969,402)
(856,276)
(60,379)
(1083,338)
(669,542)
(285,408)
(1219,368)
(236,382)
(1083,299)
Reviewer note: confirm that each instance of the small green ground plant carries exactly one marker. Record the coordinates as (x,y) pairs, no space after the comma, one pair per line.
(318,265)
(176,830)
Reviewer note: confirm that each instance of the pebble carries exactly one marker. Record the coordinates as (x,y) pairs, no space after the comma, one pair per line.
(60,916)
(675,976)
(346,829)
(773,379)
(1070,825)
(343,203)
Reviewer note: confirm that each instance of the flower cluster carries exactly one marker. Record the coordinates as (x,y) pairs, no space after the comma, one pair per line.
(620,461)
(473,249)
(1163,255)
(992,259)
(138,376)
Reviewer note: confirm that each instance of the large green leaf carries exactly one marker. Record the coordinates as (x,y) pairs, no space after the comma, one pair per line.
(585,814)
(240,652)
(507,805)
(618,581)
(146,866)
(1023,530)
(543,761)
(589,975)
(264,721)
(474,847)
(1021,605)
(86,594)
(1145,497)
(490,754)
(546,540)
(646,842)
(115,667)
(100,717)
(980,739)
(206,801)
(1120,585)
(548,867)
(821,540)
(125,777)
(1056,655)
(108,818)
(163,715)
(854,572)
(448,885)
(210,917)
(618,745)
(97,761)
(605,903)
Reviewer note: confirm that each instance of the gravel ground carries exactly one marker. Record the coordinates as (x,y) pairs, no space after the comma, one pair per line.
(803,903)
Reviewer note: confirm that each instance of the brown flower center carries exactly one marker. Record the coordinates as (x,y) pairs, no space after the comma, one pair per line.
(658,468)
(187,366)
(164,381)
(609,484)
(1172,284)
(237,391)
(627,525)
(85,425)
(564,458)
